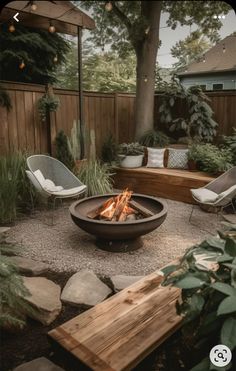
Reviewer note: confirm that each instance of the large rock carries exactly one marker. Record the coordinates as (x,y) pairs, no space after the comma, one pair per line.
(29,266)
(45,298)
(120,282)
(84,288)
(38,364)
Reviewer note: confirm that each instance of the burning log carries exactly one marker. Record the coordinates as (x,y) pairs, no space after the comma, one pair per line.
(141,209)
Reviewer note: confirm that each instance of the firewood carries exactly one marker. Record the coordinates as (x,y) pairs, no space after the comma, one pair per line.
(141,209)
(95,212)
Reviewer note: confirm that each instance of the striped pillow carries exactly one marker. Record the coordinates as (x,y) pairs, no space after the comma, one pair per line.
(155,157)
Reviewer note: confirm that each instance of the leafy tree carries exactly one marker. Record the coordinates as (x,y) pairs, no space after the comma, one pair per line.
(67,73)
(134,25)
(190,49)
(30,55)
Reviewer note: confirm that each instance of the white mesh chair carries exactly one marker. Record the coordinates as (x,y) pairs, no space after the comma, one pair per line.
(52,179)
(219,193)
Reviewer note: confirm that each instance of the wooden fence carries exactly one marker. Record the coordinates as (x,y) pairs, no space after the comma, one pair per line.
(105,113)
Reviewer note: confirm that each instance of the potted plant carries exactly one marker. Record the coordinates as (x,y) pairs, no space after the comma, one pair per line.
(131,155)
(193,157)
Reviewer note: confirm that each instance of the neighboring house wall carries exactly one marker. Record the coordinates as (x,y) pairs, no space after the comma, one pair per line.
(228,80)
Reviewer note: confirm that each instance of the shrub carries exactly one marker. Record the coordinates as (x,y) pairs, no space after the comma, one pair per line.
(96,176)
(210,158)
(207,276)
(195,118)
(62,150)
(109,150)
(130,149)
(154,138)
(230,143)
(73,142)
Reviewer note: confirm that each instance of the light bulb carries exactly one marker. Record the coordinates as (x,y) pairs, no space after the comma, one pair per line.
(147,30)
(51,28)
(145,79)
(108,6)
(224,48)
(22,65)
(11,28)
(33,6)
(55,59)
(204,59)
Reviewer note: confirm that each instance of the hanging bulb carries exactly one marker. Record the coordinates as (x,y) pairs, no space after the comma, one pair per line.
(22,65)
(145,78)
(224,49)
(147,30)
(108,6)
(51,28)
(33,6)
(204,58)
(11,28)
(55,59)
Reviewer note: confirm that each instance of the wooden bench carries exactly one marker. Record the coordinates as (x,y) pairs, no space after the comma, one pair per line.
(118,333)
(173,184)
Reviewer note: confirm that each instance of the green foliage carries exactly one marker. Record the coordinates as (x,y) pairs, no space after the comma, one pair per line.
(16,192)
(96,176)
(73,141)
(109,150)
(196,115)
(189,50)
(12,292)
(154,138)
(130,149)
(207,276)
(37,48)
(62,150)
(210,158)
(47,103)
(5,100)
(230,143)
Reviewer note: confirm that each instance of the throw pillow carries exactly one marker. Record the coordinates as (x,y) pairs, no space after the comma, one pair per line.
(178,158)
(155,157)
(39,176)
(51,187)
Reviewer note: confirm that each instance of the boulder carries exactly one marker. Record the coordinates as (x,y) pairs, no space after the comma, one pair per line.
(45,299)
(85,287)
(29,266)
(38,364)
(120,282)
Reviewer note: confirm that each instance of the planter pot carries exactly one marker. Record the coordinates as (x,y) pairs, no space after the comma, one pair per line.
(192,165)
(131,161)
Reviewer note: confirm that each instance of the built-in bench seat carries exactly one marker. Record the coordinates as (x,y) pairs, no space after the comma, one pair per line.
(173,184)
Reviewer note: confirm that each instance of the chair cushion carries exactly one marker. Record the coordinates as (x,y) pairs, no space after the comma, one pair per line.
(50,186)
(204,195)
(155,157)
(39,176)
(228,192)
(178,158)
(70,192)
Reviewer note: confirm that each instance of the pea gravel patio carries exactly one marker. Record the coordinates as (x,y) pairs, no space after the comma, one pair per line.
(65,247)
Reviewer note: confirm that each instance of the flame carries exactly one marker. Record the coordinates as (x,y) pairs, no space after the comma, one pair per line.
(118,208)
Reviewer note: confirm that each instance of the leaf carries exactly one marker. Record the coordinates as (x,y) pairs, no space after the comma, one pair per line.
(216,242)
(224,288)
(228,333)
(230,246)
(169,269)
(202,366)
(228,305)
(189,282)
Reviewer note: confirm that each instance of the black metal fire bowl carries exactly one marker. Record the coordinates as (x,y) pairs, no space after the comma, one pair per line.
(118,236)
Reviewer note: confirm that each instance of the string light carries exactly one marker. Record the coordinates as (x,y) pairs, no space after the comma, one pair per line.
(33,6)
(22,65)
(204,58)
(55,59)
(145,78)
(108,6)
(11,28)
(224,49)
(51,28)
(147,30)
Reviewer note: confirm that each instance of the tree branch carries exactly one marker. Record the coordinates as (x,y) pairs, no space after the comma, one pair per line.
(121,16)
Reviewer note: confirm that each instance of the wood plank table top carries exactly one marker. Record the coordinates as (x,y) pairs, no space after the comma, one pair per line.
(118,333)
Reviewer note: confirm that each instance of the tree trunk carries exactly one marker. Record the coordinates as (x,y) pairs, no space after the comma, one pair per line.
(146,52)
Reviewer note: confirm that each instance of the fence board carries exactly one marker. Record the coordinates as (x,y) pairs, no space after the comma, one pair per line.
(103,112)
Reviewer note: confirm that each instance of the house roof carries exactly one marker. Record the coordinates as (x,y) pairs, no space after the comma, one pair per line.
(215,59)
(66,17)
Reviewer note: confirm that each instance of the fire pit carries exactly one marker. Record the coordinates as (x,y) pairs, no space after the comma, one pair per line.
(117,220)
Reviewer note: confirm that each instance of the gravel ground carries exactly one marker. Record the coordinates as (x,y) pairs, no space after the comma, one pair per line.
(67,248)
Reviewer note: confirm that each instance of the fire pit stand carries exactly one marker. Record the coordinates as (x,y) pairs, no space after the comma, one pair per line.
(118,236)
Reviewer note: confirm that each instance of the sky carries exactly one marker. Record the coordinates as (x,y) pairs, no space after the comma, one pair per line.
(169,37)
